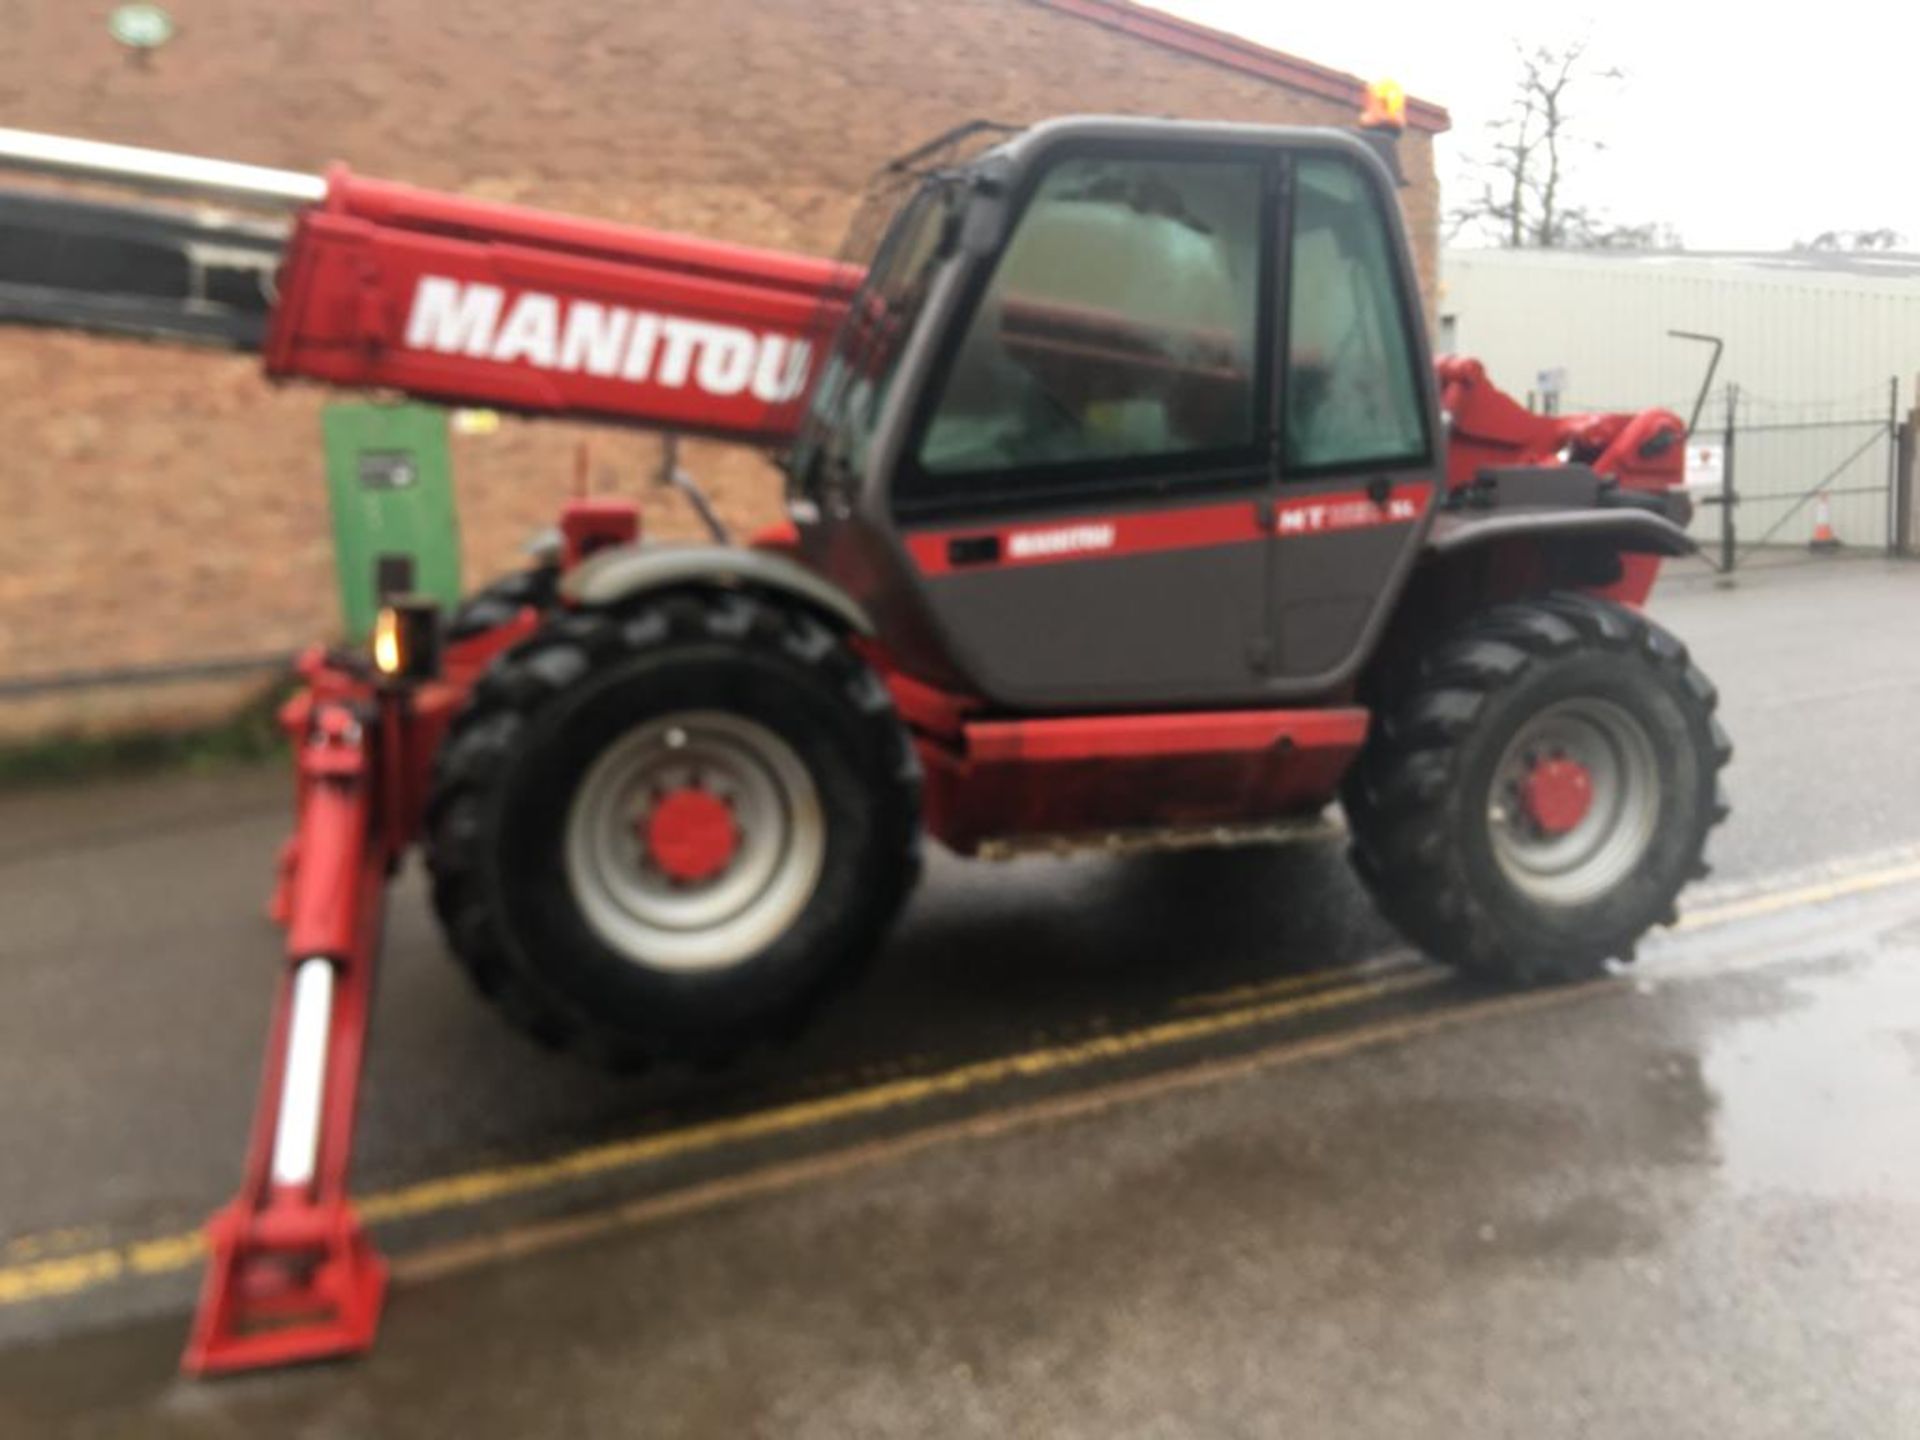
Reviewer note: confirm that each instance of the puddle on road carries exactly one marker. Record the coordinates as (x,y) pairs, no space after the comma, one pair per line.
(1821,1095)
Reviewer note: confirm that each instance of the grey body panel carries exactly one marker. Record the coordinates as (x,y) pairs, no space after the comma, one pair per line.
(1173,627)
(1113,638)
(1331,596)
(624,571)
(1634,531)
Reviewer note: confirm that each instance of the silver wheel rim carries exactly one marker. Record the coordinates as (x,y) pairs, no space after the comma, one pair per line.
(1609,841)
(718,921)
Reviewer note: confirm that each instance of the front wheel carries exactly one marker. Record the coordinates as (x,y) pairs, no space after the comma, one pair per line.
(1537,797)
(671,831)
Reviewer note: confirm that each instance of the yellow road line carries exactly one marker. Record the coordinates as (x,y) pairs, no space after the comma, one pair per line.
(1800,897)
(1389,963)
(462,1190)
(60,1242)
(68,1274)
(449,1258)
(65,1275)
(521,1240)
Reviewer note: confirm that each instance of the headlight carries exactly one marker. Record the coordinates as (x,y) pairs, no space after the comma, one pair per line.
(406,639)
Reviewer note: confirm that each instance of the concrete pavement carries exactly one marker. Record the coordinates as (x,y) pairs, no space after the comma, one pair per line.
(1681,1207)
(1818,665)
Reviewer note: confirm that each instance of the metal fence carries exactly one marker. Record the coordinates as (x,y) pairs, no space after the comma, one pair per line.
(1810,484)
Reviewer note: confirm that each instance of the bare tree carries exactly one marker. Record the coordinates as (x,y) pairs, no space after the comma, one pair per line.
(1522,197)
(1880,239)
(1650,235)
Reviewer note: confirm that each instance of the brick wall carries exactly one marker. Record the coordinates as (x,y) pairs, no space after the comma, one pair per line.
(163,505)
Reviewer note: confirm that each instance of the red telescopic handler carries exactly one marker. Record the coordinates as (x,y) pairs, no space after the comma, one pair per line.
(1126,509)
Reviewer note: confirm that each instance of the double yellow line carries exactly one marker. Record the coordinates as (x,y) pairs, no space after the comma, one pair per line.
(66,1275)
(1248,1008)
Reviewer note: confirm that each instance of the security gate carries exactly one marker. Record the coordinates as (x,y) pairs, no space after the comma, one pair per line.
(1794,482)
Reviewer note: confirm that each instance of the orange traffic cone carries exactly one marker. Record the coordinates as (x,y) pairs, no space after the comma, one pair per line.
(1823,536)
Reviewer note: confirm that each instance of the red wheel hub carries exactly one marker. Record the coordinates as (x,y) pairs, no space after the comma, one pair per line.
(1557,794)
(690,835)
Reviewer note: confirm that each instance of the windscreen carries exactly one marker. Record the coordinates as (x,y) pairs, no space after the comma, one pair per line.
(860,368)
(898,236)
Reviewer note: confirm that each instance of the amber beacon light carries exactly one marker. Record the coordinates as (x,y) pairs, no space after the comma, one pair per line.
(1386,106)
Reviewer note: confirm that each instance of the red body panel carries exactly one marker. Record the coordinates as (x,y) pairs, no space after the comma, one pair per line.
(467,300)
(1006,779)
(1488,428)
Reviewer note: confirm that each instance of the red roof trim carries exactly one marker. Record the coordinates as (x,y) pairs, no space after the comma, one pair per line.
(1235,53)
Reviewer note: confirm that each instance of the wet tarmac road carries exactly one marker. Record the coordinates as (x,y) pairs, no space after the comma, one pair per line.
(1231,1253)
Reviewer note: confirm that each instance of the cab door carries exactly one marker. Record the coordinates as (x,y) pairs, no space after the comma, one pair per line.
(1084,497)
(1359,464)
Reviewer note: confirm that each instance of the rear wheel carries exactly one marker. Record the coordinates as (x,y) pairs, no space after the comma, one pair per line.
(669,832)
(1535,799)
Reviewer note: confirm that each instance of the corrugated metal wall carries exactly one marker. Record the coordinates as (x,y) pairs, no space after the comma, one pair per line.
(1804,344)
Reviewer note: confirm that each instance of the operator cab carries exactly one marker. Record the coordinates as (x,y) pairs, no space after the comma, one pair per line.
(1130,414)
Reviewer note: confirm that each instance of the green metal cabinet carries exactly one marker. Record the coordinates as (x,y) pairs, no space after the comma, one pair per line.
(394,525)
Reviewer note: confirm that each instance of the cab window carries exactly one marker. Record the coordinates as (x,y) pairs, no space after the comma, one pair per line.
(1353,399)
(1121,324)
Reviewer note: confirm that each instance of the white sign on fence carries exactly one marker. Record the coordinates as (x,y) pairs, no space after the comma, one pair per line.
(1706,468)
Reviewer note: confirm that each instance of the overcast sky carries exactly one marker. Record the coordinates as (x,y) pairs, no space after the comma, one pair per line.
(1744,130)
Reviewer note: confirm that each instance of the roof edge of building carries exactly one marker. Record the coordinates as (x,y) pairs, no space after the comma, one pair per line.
(1876,264)
(1187,37)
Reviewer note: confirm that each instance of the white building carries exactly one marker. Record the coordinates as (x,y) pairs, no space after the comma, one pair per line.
(1812,340)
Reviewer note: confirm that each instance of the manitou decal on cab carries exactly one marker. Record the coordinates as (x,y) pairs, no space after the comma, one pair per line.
(455,317)
(1067,540)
